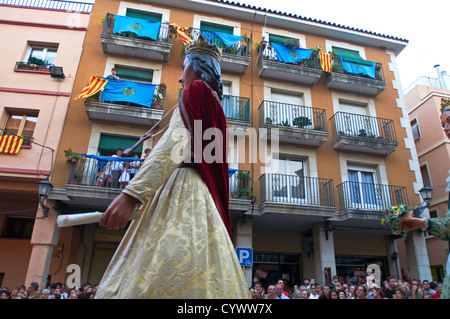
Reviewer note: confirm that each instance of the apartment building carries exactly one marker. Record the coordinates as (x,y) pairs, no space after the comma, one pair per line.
(423,99)
(42,45)
(339,141)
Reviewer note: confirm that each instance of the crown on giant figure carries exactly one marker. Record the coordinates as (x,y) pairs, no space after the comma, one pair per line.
(445,105)
(201,46)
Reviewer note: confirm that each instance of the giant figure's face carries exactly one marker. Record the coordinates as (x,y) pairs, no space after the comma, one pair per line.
(188,74)
(445,120)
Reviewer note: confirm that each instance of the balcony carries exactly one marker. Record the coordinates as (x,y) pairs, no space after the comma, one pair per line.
(295,124)
(127,112)
(235,58)
(129,44)
(312,198)
(83,188)
(342,80)
(368,201)
(359,133)
(306,71)
(237,111)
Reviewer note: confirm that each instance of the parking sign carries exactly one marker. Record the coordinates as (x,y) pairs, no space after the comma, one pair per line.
(245,256)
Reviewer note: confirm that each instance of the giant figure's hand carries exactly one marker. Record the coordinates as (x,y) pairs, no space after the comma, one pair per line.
(119,212)
(410,223)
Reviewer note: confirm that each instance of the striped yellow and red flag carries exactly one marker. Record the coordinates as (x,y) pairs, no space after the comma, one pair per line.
(95,85)
(181,31)
(10,144)
(326,61)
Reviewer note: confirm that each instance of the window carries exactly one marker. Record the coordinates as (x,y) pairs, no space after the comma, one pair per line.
(415,129)
(134,73)
(288,181)
(19,227)
(363,191)
(45,54)
(145,15)
(425,176)
(21,123)
(109,144)
(208,30)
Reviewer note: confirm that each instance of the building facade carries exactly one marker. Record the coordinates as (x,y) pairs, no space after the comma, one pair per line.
(317,157)
(423,99)
(34,102)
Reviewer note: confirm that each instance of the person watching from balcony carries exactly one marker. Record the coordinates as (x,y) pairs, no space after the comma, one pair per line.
(438,227)
(116,169)
(113,74)
(181,243)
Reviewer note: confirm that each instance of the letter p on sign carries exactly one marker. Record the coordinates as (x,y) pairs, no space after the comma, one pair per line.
(245,256)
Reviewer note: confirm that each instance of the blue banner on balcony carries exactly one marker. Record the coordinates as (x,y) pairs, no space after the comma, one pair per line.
(103,160)
(129,91)
(228,39)
(356,68)
(141,27)
(289,55)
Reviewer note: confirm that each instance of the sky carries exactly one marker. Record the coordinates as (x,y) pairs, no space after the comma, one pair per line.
(424,23)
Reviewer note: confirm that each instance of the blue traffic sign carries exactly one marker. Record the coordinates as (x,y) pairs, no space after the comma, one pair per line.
(245,256)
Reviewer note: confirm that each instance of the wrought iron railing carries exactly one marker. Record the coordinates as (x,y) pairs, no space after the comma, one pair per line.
(159,98)
(369,196)
(240,184)
(51,5)
(236,107)
(337,67)
(165,31)
(293,189)
(291,115)
(343,123)
(241,48)
(88,172)
(267,52)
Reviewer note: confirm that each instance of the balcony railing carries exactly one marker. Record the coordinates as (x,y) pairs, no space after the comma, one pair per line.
(362,126)
(267,52)
(51,5)
(337,67)
(159,97)
(368,196)
(236,108)
(165,31)
(241,48)
(293,189)
(240,184)
(86,172)
(291,115)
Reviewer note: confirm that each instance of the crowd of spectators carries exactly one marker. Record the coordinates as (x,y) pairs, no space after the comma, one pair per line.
(391,288)
(52,291)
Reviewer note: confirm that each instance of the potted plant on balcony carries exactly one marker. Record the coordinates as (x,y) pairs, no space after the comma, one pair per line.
(71,156)
(301,121)
(268,120)
(244,193)
(159,96)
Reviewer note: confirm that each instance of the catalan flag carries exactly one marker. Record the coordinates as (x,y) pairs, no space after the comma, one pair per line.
(10,144)
(326,61)
(181,31)
(95,85)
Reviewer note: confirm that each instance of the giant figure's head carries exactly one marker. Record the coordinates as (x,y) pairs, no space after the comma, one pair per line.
(445,117)
(202,62)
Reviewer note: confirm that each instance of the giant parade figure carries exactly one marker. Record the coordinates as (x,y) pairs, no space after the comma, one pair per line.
(438,227)
(180,246)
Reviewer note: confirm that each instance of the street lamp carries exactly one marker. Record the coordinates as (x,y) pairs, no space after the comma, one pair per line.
(44,190)
(426,193)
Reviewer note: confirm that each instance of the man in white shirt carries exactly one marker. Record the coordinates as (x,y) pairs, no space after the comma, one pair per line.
(280,294)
